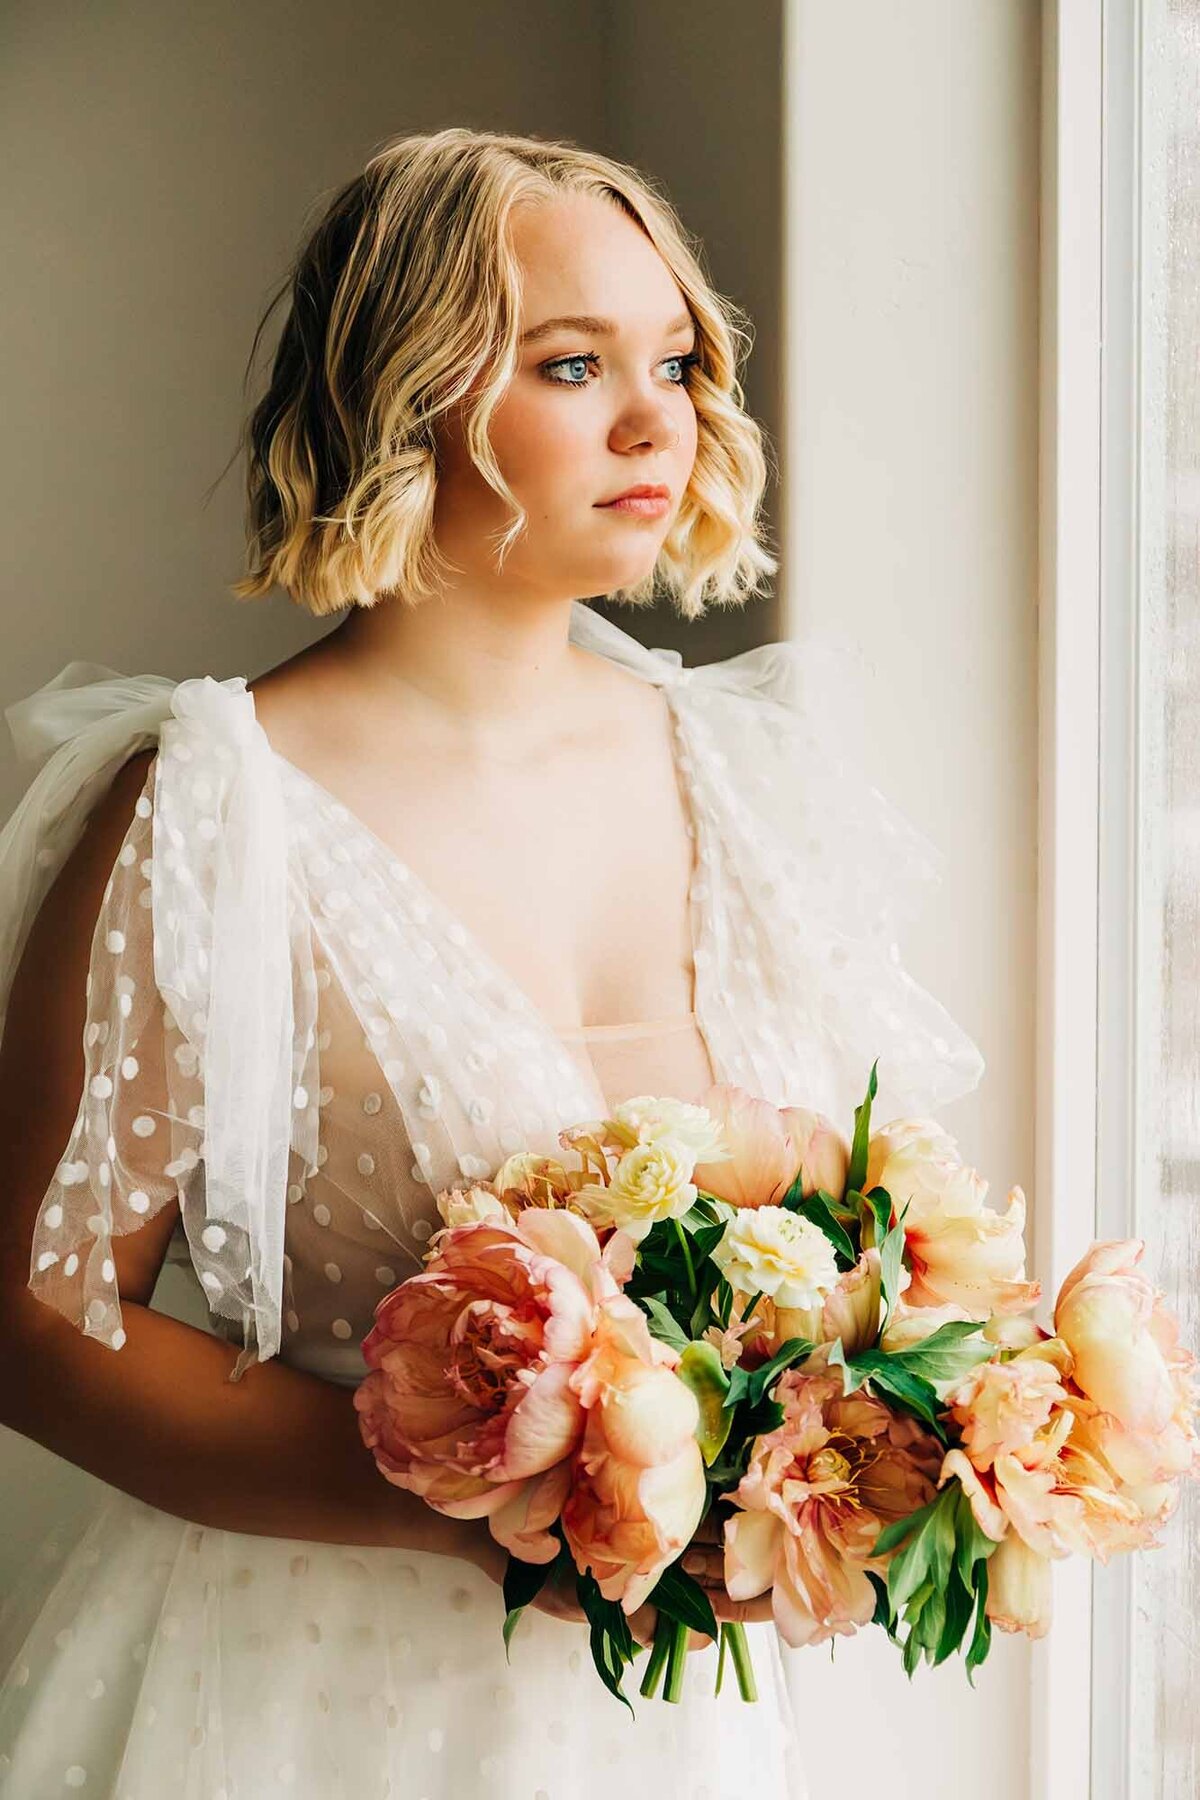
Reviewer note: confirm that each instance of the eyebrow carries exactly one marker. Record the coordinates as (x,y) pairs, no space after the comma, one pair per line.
(590,323)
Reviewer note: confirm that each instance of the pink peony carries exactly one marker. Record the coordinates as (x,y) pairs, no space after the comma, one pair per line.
(769,1146)
(470,1401)
(637,1489)
(818,1491)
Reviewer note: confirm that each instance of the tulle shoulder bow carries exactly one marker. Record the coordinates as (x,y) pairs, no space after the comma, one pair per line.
(811,872)
(204,925)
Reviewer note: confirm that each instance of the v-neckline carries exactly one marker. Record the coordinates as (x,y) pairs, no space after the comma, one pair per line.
(468,940)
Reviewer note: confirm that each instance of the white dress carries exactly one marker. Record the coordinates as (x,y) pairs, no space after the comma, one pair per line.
(291,1035)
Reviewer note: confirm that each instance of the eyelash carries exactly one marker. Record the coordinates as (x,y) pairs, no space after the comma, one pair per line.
(689,361)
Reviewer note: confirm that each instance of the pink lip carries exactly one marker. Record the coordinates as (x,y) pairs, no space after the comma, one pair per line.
(640,502)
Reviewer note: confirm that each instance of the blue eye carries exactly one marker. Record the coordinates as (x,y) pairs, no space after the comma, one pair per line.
(589,359)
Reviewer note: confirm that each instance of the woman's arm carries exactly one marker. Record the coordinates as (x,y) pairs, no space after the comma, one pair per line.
(278,1453)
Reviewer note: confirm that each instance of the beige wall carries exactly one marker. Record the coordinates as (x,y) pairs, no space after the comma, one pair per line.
(910,503)
(160,164)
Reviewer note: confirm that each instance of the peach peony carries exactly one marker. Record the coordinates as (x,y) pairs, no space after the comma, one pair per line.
(768,1147)
(818,1491)
(850,1311)
(823,1155)
(469,1401)
(1019,1594)
(1129,1361)
(637,1490)
(960,1251)
(909,1326)
(1029,1473)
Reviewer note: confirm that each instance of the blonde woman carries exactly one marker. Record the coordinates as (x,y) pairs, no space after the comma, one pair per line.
(475,865)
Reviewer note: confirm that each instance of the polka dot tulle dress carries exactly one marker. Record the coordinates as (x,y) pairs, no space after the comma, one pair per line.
(293,1038)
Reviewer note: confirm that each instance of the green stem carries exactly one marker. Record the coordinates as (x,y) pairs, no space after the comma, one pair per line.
(676,1662)
(724,1645)
(682,1235)
(663,1632)
(739,1650)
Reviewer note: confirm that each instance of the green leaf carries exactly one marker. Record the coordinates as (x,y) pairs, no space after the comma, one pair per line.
(981,1639)
(895,1533)
(942,1526)
(862,1133)
(883,1614)
(759,1380)
(960,1603)
(946,1353)
(891,1257)
(892,1380)
(909,1568)
(853,1375)
(681,1597)
(701,1370)
(935,1582)
(701,1317)
(879,1202)
(818,1209)
(706,1239)
(914,1394)
(522,1583)
(612,1643)
(932,1621)
(736,1391)
(706,1209)
(663,1324)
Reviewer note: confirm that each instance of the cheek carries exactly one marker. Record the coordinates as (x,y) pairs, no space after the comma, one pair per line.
(532,433)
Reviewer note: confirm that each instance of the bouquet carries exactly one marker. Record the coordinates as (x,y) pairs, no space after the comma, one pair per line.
(827,1347)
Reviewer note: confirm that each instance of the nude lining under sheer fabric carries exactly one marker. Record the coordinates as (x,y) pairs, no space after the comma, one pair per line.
(644,1056)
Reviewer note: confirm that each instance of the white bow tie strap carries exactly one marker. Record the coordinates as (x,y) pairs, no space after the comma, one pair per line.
(209,914)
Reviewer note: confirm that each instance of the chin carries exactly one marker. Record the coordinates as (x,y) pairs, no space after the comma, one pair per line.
(604,574)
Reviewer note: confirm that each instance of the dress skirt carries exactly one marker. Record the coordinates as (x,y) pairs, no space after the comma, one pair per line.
(155,1658)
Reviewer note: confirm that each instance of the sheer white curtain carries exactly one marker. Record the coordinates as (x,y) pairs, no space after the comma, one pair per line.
(1164,1611)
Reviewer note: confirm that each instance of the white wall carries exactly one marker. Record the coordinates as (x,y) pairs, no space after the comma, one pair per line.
(910,509)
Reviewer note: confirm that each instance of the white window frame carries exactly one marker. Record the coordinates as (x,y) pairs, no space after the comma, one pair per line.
(1084,1156)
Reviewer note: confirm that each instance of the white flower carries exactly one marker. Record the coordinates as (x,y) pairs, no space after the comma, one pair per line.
(649,1119)
(650,1182)
(469,1207)
(773,1251)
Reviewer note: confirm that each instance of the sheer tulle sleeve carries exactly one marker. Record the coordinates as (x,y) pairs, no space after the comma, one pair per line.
(829,867)
(809,872)
(137,1138)
(200,1039)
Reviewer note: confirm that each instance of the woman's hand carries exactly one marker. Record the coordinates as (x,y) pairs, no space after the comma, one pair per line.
(705,1562)
(556,1596)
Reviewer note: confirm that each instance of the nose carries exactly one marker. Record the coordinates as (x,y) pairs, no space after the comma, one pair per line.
(645,423)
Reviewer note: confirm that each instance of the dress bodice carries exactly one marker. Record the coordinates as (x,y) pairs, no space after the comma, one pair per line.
(295,1037)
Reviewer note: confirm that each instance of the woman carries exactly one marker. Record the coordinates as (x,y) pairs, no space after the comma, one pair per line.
(475,866)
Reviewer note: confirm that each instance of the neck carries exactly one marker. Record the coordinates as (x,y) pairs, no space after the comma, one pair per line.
(485,659)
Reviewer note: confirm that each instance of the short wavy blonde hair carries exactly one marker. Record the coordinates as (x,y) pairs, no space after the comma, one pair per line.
(404,303)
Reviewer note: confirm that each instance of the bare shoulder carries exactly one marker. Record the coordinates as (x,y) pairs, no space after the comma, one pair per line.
(297,702)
